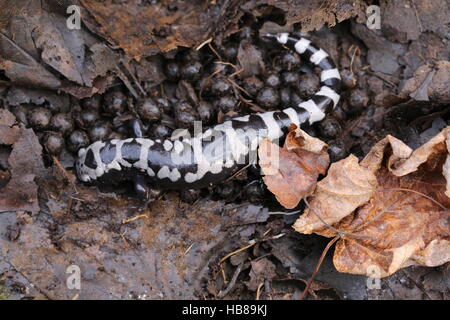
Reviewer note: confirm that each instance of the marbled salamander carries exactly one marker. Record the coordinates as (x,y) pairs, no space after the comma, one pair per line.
(213,155)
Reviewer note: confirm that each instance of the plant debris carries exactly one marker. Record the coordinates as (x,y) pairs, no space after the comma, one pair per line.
(391,209)
(25,161)
(291,172)
(146,30)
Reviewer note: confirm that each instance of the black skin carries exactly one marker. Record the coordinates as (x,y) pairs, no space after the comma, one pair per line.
(137,129)
(140,182)
(140,185)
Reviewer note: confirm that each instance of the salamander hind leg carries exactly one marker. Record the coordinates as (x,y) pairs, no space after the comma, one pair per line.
(131,124)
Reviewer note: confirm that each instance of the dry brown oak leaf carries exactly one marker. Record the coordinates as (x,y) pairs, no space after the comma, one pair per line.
(291,172)
(391,210)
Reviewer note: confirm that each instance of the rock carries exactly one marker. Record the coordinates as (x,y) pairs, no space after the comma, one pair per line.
(383,54)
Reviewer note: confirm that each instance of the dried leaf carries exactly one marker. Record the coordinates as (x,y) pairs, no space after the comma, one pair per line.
(346,187)
(313,14)
(250,214)
(21,68)
(11,8)
(250,60)
(291,172)
(26,163)
(146,29)
(262,269)
(421,94)
(62,48)
(9,132)
(103,59)
(20,95)
(142,29)
(429,83)
(150,70)
(43,35)
(401,219)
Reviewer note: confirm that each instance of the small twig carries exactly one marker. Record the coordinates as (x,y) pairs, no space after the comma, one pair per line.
(189,248)
(418,285)
(236,73)
(226,64)
(267,232)
(232,282)
(427,118)
(122,235)
(224,276)
(134,218)
(214,50)
(251,244)
(258,291)
(278,236)
(339,232)
(379,76)
(203,44)
(69,205)
(416,192)
(136,81)
(69,178)
(284,213)
(213,74)
(417,16)
(253,106)
(236,85)
(317,268)
(75,198)
(122,76)
(237,173)
(353,59)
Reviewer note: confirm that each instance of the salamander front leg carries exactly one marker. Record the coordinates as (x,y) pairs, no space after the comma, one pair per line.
(132,124)
(136,127)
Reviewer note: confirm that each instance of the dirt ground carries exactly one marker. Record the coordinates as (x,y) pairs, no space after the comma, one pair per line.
(170,63)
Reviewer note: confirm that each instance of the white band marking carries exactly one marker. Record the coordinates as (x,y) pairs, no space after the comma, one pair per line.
(292,114)
(282,38)
(315,113)
(165,172)
(318,56)
(329,74)
(328,92)
(301,45)
(143,157)
(274,130)
(167,145)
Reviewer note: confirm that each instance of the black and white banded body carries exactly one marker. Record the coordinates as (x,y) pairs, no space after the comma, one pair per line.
(184,161)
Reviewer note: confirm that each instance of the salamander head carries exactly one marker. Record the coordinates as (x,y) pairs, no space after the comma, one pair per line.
(81,169)
(89,166)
